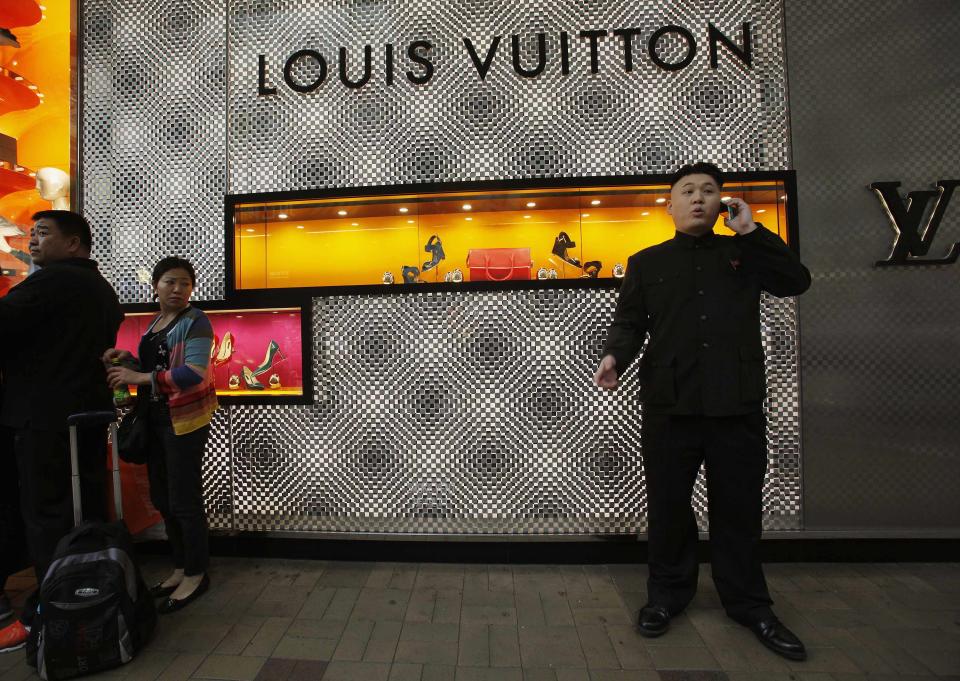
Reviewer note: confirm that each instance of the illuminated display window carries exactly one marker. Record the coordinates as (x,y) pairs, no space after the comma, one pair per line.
(36,136)
(425,238)
(257,356)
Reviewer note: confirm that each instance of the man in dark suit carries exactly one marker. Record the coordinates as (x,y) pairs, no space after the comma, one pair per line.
(701,389)
(57,324)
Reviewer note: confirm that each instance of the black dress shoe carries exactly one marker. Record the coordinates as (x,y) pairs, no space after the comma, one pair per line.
(158,590)
(775,636)
(654,620)
(174,604)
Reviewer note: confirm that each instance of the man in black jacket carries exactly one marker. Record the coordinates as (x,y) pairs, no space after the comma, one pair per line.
(56,324)
(701,389)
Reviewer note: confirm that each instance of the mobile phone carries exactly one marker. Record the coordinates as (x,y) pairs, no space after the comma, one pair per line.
(732,210)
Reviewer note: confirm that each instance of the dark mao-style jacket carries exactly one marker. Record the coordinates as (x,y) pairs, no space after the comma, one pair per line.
(699,300)
(56,325)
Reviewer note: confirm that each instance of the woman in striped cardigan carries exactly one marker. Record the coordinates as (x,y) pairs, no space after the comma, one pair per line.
(175,389)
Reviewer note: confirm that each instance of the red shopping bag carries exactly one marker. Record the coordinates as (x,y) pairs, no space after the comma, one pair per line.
(499,264)
(138,512)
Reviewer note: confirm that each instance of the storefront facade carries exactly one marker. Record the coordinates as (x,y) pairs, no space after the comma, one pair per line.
(442,408)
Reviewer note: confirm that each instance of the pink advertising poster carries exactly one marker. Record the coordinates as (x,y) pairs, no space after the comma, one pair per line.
(256,353)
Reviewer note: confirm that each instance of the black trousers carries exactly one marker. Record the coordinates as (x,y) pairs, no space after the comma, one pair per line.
(734,450)
(175,467)
(46,495)
(13,541)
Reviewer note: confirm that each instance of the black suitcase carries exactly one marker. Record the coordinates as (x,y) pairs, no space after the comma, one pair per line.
(95,612)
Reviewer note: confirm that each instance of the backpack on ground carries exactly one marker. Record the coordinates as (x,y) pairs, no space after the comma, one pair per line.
(95,612)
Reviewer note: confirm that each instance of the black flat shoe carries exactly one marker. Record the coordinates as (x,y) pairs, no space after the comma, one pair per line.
(174,604)
(775,636)
(654,620)
(158,590)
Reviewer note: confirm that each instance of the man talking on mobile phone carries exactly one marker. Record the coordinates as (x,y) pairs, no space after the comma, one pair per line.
(697,296)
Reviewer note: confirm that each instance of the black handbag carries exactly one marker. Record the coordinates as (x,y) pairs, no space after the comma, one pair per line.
(132,436)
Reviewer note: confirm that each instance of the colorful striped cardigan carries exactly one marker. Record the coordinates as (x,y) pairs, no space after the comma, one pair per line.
(192,398)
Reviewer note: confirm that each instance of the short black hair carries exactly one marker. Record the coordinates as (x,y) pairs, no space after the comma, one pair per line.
(173,263)
(69,224)
(699,168)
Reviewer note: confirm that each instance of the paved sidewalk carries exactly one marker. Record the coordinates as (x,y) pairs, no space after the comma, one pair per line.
(287,620)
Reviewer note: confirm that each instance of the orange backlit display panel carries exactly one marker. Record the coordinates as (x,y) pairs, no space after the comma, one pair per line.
(350,242)
(36,76)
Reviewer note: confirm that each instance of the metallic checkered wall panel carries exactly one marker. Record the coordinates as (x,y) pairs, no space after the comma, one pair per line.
(782,490)
(880,369)
(154,138)
(218,474)
(168,129)
(458,127)
(474,413)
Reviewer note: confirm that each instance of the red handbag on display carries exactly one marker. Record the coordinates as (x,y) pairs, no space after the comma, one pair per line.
(499,264)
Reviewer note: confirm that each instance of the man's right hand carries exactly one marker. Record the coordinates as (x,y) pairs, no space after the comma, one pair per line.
(606,376)
(113,353)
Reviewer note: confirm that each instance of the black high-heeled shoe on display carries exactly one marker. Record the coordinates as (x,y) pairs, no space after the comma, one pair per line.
(560,246)
(411,274)
(273,351)
(435,248)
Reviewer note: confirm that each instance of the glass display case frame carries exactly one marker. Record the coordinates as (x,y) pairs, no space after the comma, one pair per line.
(408,196)
(267,395)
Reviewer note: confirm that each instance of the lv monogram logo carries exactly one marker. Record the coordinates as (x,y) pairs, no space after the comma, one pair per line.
(914,239)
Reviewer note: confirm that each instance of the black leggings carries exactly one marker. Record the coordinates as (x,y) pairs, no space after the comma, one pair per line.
(176,488)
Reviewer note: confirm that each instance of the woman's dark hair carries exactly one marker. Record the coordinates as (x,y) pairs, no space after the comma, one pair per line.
(173,263)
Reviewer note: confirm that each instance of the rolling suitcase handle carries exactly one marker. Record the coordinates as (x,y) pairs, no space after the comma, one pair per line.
(93,418)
